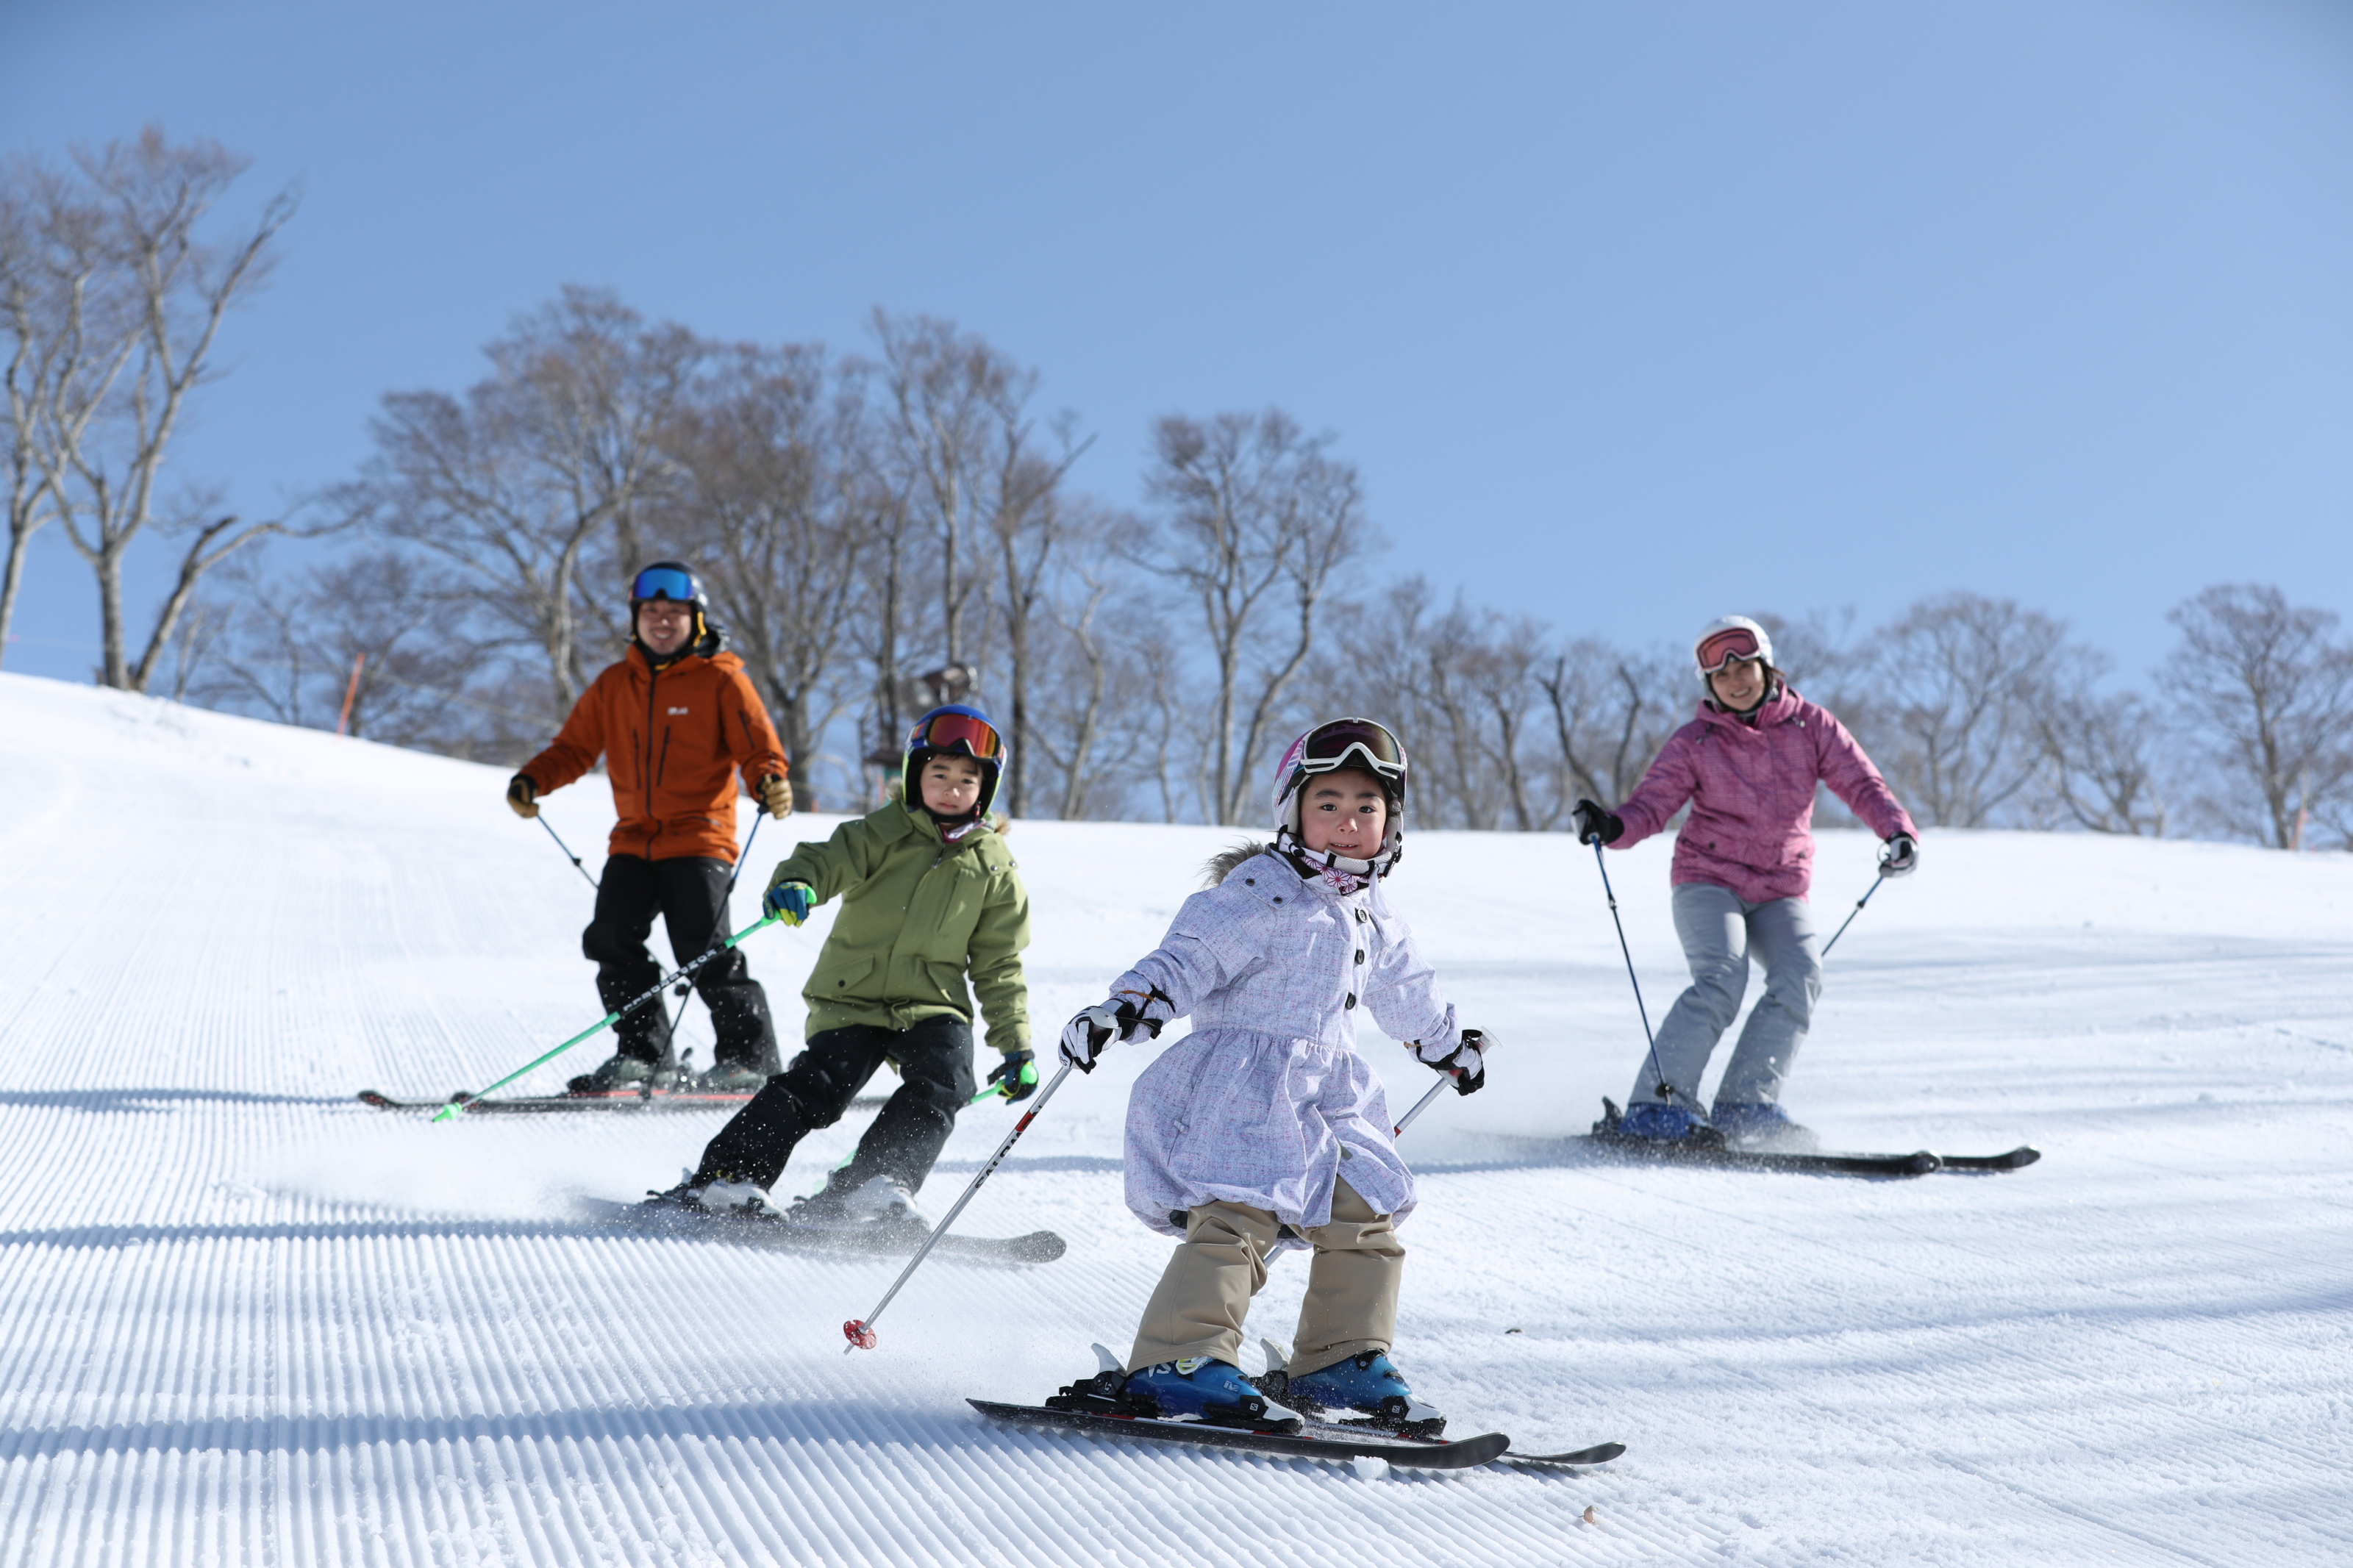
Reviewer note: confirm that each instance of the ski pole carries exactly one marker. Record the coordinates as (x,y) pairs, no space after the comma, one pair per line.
(455,1106)
(859,1331)
(1420,1105)
(1851,913)
(568,855)
(757,817)
(1666,1089)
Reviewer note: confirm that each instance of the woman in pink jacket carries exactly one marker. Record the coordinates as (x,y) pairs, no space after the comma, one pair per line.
(1747,764)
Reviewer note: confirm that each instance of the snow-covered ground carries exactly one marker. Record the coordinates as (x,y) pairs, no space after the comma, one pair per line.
(243,1320)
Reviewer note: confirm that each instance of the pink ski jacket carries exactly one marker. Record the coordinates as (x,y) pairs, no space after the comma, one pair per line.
(1751,788)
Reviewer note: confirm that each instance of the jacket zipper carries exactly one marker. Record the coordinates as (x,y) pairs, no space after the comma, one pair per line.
(646,763)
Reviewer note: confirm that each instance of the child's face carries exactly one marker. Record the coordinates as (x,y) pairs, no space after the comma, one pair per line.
(951,786)
(1344,813)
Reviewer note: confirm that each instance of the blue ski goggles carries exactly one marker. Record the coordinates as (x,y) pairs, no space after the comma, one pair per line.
(664,583)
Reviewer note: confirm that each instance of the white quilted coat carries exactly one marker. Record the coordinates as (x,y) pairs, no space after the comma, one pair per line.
(1266,1101)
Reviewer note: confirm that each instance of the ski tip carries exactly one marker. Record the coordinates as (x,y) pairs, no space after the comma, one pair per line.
(860,1336)
(372,1097)
(2020,1157)
(1599,1454)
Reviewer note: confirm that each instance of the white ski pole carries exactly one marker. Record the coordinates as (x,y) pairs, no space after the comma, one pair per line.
(1421,1105)
(859,1331)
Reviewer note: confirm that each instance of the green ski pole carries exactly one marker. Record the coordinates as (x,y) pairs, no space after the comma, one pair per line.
(455,1106)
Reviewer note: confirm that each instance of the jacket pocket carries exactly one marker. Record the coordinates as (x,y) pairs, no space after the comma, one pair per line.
(842,978)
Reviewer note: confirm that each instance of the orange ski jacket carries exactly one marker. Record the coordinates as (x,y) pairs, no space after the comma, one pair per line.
(672,739)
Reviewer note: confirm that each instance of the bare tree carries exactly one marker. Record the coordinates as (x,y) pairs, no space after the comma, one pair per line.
(1956,683)
(1258,523)
(50,260)
(292,646)
(975,474)
(778,512)
(1498,667)
(2271,694)
(1106,682)
(1611,712)
(541,473)
(2100,750)
(112,300)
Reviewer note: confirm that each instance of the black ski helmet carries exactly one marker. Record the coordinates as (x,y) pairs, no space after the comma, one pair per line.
(673,580)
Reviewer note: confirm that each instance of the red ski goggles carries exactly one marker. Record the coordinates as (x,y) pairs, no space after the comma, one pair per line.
(1353,742)
(1725,646)
(976,738)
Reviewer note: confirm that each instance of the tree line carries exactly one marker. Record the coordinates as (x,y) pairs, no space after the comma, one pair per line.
(884,529)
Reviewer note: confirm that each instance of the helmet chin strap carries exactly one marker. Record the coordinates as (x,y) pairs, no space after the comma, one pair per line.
(1289,843)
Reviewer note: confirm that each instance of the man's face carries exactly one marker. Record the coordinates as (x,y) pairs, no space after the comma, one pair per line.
(664,624)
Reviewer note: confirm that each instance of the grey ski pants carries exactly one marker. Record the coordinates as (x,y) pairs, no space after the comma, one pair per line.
(1721,932)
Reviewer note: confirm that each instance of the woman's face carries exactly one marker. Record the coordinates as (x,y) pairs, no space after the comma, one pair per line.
(1739,685)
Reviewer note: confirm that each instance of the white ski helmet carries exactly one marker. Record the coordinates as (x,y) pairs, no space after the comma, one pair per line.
(1725,638)
(1339,743)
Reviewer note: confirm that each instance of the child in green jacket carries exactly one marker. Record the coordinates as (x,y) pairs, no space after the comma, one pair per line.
(930,894)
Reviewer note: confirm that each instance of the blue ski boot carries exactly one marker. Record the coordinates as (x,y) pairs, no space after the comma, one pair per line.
(1655,1122)
(1365,1390)
(1199,1388)
(1760,1126)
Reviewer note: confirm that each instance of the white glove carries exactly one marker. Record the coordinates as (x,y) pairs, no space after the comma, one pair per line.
(1899,855)
(1087,1035)
(1465,1060)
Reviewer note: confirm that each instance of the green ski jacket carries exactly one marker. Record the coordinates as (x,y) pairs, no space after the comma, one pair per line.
(918,914)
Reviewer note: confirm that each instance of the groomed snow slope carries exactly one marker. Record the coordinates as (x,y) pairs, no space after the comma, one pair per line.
(243,1320)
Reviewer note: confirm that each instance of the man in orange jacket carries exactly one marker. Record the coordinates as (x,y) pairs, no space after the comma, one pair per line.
(675,718)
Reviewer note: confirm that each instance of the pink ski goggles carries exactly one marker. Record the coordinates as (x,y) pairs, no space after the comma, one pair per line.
(1727,647)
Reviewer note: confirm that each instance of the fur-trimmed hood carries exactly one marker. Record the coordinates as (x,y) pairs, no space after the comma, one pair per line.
(1227,861)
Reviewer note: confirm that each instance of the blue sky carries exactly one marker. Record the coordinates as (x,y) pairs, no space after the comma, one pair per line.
(1631,314)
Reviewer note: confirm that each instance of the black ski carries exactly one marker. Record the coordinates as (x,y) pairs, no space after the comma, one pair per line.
(1708,1148)
(2015,1160)
(1599,1454)
(1325,1443)
(626,1100)
(779,1233)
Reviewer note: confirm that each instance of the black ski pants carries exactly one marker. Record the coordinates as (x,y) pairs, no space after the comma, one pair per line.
(691,895)
(936,1081)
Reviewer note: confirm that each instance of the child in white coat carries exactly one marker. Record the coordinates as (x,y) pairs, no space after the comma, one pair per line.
(1263,1129)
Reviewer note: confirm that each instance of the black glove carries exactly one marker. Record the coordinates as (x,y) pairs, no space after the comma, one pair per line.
(1595,826)
(1016,1075)
(1465,1062)
(524,795)
(1087,1035)
(1899,856)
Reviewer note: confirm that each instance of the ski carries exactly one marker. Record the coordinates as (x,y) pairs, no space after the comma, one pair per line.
(631,1102)
(1709,1149)
(779,1233)
(1648,1152)
(1325,1443)
(2017,1159)
(1598,1454)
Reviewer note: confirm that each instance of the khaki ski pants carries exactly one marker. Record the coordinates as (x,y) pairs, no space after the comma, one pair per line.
(1204,1297)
